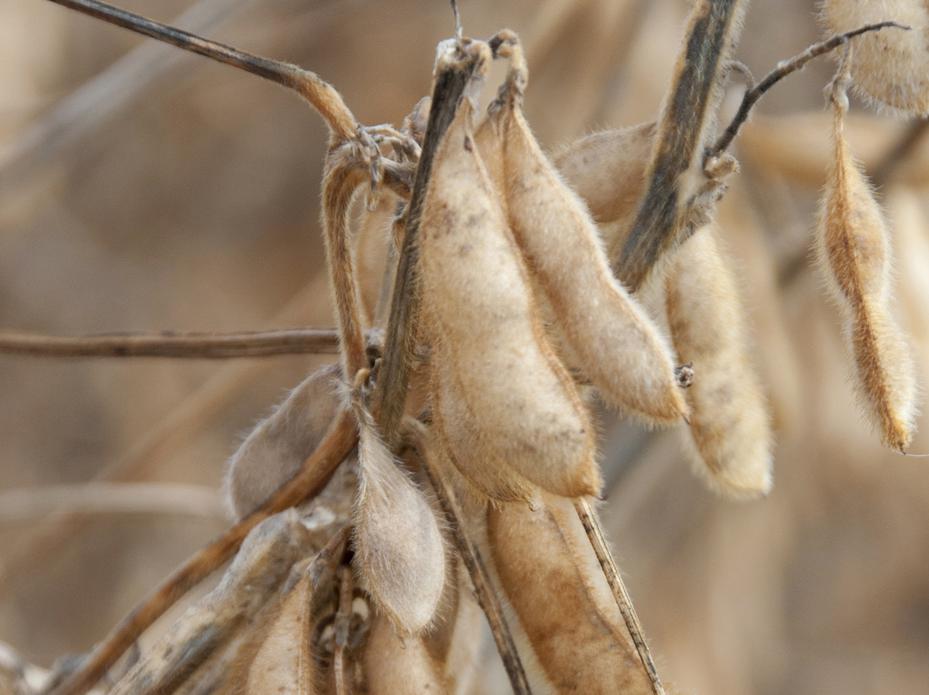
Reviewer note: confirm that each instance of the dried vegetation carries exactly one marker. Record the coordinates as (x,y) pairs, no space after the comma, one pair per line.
(505,288)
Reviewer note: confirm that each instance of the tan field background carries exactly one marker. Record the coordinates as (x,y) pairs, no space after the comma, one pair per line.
(146,189)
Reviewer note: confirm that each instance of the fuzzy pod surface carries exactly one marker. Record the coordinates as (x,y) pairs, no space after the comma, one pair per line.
(620,349)
(502,400)
(278,445)
(889,67)
(854,257)
(729,419)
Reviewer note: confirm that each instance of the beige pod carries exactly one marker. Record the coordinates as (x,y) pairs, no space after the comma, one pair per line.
(854,257)
(554,584)
(607,169)
(278,445)
(372,239)
(729,420)
(399,550)
(399,666)
(891,66)
(619,348)
(284,662)
(502,400)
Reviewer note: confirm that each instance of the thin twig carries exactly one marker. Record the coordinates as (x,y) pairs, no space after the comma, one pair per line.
(420,440)
(623,600)
(313,476)
(451,80)
(319,93)
(783,69)
(25,504)
(176,344)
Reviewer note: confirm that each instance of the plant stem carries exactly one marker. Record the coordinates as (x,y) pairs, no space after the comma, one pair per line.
(614,579)
(321,95)
(483,589)
(451,80)
(313,476)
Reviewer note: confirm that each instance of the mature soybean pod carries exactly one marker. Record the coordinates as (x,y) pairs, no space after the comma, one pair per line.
(554,584)
(620,349)
(607,169)
(502,399)
(729,420)
(396,666)
(853,254)
(399,550)
(891,66)
(275,450)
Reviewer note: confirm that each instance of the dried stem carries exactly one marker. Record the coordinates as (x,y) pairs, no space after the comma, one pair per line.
(319,93)
(783,69)
(313,476)
(451,80)
(340,181)
(343,620)
(176,344)
(623,600)
(681,130)
(420,440)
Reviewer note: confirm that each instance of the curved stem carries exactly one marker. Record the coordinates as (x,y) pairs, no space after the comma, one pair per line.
(321,95)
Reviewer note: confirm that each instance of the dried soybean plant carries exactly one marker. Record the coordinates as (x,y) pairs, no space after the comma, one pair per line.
(446,464)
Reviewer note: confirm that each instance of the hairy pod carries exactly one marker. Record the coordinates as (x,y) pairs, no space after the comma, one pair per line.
(607,169)
(890,67)
(502,400)
(729,420)
(396,666)
(399,549)
(619,348)
(853,255)
(277,447)
(554,584)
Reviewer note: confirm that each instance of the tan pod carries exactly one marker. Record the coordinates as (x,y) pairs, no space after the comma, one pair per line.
(729,420)
(502,400)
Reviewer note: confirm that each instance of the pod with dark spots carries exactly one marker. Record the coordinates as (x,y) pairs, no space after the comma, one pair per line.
(890,67)
(399,549)
(619,348)
(580,642)
(853,255)
(729,420)
(277,447)
(502,400)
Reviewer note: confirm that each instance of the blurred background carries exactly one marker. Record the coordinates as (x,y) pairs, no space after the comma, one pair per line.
(142,188)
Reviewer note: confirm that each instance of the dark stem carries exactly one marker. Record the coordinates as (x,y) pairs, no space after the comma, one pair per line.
(681,130)
(180,345)
(783,69)
(393,380)
(319,93)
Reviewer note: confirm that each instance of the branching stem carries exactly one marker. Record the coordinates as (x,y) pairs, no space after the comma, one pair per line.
(321,95)
(313,476)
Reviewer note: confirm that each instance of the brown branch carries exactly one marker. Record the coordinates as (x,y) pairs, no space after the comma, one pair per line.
(313,476)
(451,80)
(681,131)
(319,93)
(175,344)
(419,438)
(623,600)
(783,69)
